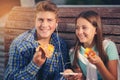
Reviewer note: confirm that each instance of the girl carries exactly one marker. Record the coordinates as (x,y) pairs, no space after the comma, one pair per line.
(101,66)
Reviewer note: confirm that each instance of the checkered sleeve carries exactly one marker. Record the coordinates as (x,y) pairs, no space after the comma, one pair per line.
(17,68)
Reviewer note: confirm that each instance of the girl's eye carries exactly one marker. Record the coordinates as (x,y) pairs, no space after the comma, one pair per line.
(77,27)
(84,27)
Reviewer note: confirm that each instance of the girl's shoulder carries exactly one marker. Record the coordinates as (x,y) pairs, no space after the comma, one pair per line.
(111,49)
(107,42)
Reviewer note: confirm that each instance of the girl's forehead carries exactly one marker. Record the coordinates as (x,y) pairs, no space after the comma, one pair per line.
(82,21)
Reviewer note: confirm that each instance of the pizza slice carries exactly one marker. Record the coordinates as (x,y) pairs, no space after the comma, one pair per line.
(47,49)
(89,51)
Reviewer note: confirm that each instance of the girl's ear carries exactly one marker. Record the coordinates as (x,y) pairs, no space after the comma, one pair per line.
(95,32)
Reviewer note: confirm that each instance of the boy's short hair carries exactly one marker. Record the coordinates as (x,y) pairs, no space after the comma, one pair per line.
(47,6)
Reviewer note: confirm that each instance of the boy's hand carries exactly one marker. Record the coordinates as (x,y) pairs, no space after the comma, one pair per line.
(39,57)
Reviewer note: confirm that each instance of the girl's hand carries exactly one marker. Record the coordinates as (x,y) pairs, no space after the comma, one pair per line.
(96,60)
(71,75)
(92,57)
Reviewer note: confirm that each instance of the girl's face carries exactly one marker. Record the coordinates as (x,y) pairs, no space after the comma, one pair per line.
(85,31)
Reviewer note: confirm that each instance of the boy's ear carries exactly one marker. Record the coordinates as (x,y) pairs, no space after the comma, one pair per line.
(96,31)
(56,24)
(56,27)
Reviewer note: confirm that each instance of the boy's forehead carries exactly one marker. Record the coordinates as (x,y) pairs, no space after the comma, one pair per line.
(43,12)
(46,14)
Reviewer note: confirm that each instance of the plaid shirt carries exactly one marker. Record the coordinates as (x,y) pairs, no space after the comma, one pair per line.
(21,67)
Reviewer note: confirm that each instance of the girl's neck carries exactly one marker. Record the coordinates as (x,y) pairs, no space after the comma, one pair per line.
(89,45)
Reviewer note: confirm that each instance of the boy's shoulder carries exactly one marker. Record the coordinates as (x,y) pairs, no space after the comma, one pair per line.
(23,37)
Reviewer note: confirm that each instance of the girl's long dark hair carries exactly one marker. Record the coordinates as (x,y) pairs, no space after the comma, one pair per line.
(95,20)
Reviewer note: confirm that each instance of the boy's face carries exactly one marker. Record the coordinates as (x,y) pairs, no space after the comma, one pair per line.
(45,24)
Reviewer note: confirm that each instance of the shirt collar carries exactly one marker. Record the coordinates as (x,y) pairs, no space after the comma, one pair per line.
(31,35)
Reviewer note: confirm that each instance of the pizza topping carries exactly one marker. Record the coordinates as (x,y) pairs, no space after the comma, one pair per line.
(89,51)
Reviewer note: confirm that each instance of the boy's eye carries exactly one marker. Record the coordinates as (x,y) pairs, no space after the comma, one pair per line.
(49,20)
(40,19)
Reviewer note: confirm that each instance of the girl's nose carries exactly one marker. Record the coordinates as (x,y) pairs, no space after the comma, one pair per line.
(80,31)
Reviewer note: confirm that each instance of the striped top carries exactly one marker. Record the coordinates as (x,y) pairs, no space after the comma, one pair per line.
(110,49)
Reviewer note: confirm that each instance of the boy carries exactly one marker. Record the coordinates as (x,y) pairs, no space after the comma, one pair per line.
(26,62)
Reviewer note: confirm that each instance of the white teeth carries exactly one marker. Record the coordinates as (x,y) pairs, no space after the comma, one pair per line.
(45,31)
